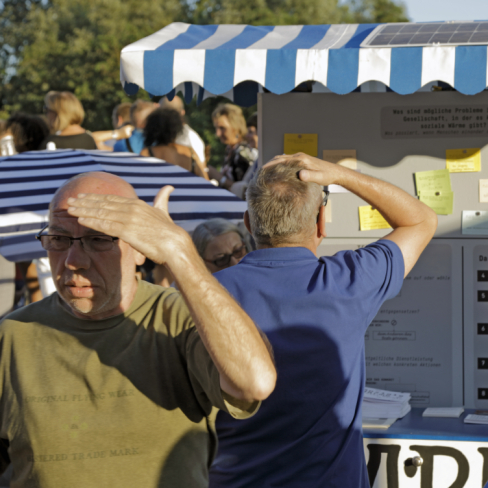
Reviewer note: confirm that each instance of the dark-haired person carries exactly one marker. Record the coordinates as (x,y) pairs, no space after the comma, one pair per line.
(187,137)
(162,127)
(65,114)
(230,128)
(28,131)
(315,312)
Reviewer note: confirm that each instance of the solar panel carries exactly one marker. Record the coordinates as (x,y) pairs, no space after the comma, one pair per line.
(428,34)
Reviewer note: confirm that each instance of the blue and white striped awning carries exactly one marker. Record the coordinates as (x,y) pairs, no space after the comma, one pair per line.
(28,182)
(239,60)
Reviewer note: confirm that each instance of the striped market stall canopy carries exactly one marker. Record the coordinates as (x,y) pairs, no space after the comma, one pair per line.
(28,182)
(239,60)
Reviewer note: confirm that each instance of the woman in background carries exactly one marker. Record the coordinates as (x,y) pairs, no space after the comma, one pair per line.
(65,115)
(220,243)
(230,128)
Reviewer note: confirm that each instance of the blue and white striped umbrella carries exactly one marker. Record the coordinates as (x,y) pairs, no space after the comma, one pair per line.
(28,182)
(239,60)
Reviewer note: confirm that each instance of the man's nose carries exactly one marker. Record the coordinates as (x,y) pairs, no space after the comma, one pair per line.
(234,260)
(76,257)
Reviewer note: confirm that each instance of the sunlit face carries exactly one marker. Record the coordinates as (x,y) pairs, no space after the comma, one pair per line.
(252,136)
(94,285)
(225,132)
(219,246)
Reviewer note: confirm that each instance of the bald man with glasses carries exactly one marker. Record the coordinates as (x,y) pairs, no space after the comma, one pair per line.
(111,381)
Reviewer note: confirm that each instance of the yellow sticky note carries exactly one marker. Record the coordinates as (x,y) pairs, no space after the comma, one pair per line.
(306,143)
(344,157)
(370,219)
(436,180)
(463,160)
(440,202)
(483,191)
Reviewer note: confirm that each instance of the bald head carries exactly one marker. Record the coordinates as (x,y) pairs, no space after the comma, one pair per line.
(175,104)
(95,182)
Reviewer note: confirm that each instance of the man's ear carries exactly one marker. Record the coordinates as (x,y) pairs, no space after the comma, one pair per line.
(321,223)
(246,221)
(139,258)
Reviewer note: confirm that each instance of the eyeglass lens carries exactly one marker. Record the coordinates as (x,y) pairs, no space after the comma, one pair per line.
(89,243)
(225,259)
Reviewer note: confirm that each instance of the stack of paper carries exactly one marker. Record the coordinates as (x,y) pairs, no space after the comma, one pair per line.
(476,419)
(382,404)
(434,189)
(445,412)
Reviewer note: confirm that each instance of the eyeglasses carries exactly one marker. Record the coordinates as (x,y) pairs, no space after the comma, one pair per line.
(326,192)
(325,198)
(57,243)
(224,260)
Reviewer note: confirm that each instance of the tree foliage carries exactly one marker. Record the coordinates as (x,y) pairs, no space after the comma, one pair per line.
(75,45)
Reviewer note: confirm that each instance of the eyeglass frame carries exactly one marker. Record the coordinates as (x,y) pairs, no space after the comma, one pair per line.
(325,189)
(71,239)
(231,255)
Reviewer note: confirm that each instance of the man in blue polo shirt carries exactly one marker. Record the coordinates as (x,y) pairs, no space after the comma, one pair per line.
(315,313)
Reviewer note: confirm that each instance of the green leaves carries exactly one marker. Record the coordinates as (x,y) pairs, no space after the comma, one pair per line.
(75,45)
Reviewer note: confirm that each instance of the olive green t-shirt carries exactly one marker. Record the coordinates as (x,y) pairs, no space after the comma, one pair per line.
(121,402)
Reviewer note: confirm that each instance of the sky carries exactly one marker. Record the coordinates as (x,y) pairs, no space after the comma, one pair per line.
(432,10)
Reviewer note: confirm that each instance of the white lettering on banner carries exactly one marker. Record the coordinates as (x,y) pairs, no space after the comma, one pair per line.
(446,464)
(434,121)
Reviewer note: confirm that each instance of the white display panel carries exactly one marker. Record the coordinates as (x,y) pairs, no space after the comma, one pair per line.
(414,344)
(409,342)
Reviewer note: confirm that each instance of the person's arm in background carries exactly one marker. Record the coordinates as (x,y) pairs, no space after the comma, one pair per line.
(246,369)
(413,222)
(101,136)
(200,169)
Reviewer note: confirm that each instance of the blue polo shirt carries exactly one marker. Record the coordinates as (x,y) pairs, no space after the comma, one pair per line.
(315,313)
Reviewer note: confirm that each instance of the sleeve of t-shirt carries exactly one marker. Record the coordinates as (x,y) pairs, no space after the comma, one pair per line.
(369,275)
(382,268)
(205,379)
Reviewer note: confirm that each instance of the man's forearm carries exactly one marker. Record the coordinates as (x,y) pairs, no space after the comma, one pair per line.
(230,336)
(398,207)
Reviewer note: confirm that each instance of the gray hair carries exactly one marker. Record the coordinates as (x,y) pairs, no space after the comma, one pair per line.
(208,230)
(282,208)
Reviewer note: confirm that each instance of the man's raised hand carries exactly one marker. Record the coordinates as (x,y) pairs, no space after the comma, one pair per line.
(317,170)
(149,230)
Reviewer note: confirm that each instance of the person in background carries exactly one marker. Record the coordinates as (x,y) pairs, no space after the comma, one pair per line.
(239,188)
(187,137)
(122,128)
(65,115)
(121,115)
(28,131)
(252,130)
(162,128)
(230,128)
(220,243)
(139,111)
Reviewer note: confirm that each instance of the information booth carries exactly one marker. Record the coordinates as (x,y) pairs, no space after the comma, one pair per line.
(402,99)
